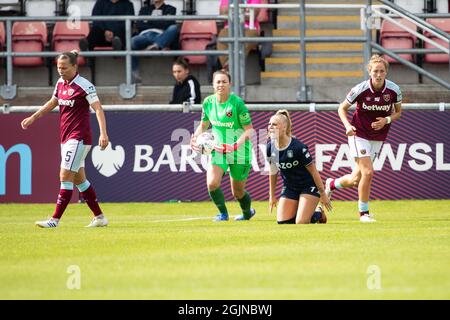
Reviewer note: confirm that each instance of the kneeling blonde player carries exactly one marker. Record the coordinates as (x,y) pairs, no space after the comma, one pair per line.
(302,185)
(378,104)
(74,94)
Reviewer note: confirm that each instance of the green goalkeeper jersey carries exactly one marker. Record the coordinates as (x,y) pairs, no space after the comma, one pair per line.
(227,120)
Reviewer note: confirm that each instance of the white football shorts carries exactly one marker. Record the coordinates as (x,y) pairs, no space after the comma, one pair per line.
(360,147)
(73,153)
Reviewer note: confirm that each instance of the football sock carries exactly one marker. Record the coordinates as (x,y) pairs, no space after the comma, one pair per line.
(64,196)
(316,217)
(363,207)
(290,221)
(245,203)
(91,198)
(83,186)
(336,184)
(219,200)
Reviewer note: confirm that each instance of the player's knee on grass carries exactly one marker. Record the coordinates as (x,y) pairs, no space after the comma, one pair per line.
(290,221)
(303,221)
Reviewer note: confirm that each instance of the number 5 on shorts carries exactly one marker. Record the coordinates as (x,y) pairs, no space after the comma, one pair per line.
(68,156)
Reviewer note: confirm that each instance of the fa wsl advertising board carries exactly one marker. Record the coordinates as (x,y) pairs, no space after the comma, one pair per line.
(149,158)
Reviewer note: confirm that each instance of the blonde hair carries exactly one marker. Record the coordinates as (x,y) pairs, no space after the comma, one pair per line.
(284,114)
(376,58)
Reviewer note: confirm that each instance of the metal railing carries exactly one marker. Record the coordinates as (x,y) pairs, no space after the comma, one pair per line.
(185,108)
(421,24)
(127,90)
(236,39)
(368,13)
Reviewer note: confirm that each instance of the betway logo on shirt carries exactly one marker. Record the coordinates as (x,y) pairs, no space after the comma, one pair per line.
(223,124)
(68,103)
(377,108)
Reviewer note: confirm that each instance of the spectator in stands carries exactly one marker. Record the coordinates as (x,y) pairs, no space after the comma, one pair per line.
(248,32)
(108,33)
(153,35)
(187,88)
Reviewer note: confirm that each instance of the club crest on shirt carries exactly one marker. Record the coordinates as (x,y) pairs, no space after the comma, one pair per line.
(244,117)
(290,154)
(386,97)
(70,91)
(363,151)
(229,113)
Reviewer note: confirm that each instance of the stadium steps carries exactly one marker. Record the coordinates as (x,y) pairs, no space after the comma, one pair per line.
(325,61)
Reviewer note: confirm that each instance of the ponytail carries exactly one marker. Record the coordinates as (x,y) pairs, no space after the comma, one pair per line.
(70,55)
(287,118)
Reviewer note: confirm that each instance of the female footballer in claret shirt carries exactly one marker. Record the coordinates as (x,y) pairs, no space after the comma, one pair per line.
(74,95)
(378,104)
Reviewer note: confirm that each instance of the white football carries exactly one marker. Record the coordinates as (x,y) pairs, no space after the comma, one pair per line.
(206,143)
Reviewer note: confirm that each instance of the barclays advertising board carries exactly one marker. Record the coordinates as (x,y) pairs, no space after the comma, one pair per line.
(149,158)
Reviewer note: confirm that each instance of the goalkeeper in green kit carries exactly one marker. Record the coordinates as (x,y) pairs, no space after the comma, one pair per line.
(232,127)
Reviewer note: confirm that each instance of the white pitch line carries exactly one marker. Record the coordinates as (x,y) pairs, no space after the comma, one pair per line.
(185,219)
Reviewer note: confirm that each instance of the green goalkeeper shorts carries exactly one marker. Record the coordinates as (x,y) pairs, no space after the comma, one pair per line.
(238,171)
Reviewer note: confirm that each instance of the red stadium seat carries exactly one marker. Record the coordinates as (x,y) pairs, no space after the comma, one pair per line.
(2,36)
(393,37)
(29,37)
(195,35)
(444,25)
(66,37)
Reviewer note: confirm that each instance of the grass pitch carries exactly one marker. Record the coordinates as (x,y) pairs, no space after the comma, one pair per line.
(175,251)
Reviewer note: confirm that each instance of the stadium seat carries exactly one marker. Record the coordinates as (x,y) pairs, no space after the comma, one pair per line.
(66,37)
(444,25)
(29,37)
(195,35)
(12,7)
(393,37)
(2,36)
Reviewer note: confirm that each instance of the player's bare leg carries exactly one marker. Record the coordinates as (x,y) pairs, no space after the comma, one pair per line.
(350,180)
(286,210)
(347,181)
(366,168)
(306,209)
